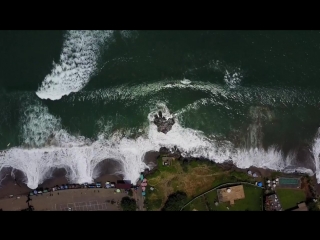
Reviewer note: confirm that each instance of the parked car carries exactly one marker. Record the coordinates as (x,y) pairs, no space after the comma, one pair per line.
(98,184)
(91,185)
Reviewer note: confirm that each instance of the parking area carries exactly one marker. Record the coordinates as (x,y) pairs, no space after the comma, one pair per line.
(83,206)
(78,200)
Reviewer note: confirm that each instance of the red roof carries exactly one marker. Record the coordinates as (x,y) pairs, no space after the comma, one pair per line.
(123,185)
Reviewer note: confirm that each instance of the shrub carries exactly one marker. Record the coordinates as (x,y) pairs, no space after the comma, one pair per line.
(128,204)
(175,201)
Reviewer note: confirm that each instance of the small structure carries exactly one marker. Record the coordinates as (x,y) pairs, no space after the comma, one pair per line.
(259,184)
(301,207)
(166,161)
(289,183)
(231,194)
(151,188)
(254,175)
(249,173)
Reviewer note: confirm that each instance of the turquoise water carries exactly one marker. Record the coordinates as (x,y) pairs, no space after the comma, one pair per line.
(247,96)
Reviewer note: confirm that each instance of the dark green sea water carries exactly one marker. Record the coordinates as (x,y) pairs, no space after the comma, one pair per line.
(255,92)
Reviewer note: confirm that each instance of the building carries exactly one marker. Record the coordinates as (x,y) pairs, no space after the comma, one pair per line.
(289,183)
(301,207)
(230,194)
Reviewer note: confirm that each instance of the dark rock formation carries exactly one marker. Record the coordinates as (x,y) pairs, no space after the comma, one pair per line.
(164,125)
(173,152)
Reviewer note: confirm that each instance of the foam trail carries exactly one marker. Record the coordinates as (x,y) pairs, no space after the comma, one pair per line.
(219,94)
(78,62)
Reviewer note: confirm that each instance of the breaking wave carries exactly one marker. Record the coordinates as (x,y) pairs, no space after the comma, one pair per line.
(316,154)
(81,155)
(78,62)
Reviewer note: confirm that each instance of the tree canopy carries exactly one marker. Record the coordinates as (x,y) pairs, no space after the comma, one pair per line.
(175,201)
(128,204)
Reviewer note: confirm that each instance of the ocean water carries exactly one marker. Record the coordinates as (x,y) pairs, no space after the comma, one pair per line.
(72,99)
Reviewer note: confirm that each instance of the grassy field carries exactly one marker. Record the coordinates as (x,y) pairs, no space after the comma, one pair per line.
(198,205)
(252,201)
(193,179)
(290,197)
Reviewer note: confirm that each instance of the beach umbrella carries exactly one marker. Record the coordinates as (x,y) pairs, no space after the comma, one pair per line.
(143,189)
(268,181)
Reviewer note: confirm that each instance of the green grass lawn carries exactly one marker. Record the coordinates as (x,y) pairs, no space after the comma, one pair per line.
(193,178)
(252,201)
(199,204)
(289,198)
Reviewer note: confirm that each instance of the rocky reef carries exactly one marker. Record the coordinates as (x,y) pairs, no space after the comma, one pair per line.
(164,125)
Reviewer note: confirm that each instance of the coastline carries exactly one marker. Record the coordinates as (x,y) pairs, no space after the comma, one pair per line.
(107,169)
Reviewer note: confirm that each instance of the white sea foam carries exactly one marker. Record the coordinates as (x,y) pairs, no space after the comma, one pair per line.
(232,79)
(316,154)
(80,155)
(185,81)
(37,125)
(78,62)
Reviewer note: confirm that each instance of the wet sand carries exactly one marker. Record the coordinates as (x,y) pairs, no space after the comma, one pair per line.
(105,171)
(12,185)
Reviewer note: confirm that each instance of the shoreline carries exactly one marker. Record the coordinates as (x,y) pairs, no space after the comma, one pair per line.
(107,172)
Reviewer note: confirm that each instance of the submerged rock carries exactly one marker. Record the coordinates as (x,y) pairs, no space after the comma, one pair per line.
(164,125)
